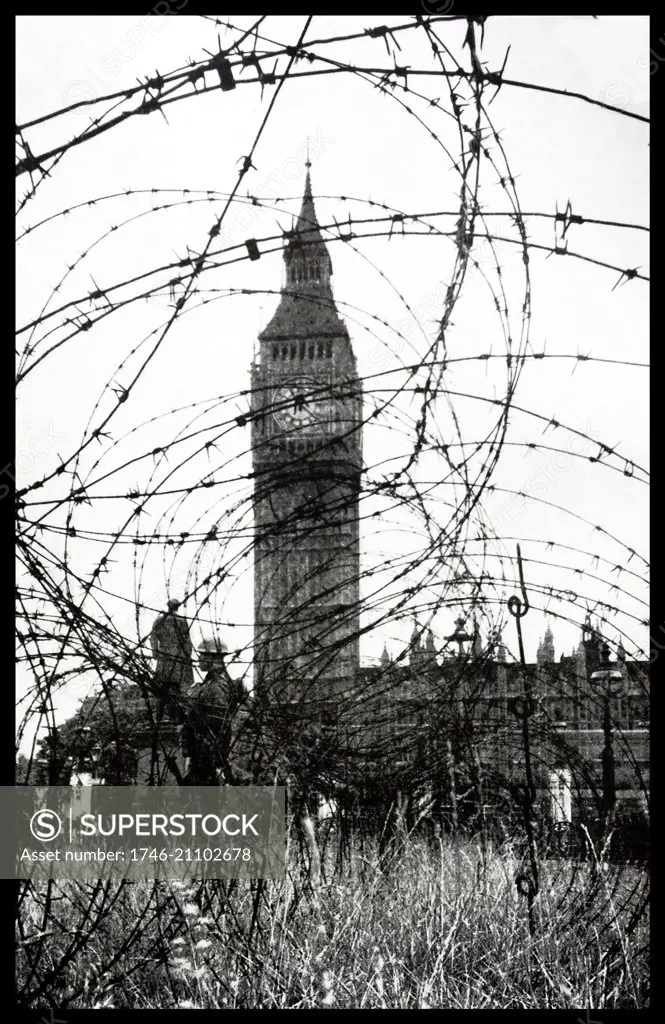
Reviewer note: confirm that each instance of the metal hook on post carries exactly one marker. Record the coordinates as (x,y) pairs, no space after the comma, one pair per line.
(523,708)
(519,608)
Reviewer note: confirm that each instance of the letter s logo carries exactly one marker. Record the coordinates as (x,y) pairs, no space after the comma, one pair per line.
(45,825)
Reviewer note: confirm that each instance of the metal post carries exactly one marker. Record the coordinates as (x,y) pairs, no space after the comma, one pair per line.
(523,707)
(609,780)
(608,683)
(452,786)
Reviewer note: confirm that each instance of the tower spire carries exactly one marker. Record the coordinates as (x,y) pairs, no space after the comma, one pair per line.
(306,307)
(306,255)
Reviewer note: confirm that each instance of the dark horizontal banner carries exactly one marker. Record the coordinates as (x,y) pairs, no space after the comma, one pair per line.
(132,832)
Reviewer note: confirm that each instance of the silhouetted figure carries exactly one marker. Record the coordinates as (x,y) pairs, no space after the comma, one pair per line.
(172,651)
(212,704)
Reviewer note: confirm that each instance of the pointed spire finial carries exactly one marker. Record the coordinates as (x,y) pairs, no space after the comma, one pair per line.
(306,256)
(308,180)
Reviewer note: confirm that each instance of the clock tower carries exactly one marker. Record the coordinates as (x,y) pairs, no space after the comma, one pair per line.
(307,461)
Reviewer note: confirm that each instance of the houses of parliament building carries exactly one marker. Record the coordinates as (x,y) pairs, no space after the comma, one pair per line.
(307,460)
(454,715)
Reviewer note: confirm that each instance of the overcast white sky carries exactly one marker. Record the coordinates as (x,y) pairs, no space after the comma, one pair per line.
(363,146)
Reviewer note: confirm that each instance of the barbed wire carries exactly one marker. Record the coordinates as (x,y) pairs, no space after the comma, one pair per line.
(172,494)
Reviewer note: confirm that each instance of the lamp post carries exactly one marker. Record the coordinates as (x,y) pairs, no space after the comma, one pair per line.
(460,637)
(607,682)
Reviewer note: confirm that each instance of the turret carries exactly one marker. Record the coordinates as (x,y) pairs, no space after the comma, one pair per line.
(591,640)
(545,654)
(415,647)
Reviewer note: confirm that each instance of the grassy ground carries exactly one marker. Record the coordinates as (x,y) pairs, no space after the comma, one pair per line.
(441,927)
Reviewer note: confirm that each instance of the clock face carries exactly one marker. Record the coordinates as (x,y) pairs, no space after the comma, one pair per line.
(300,404)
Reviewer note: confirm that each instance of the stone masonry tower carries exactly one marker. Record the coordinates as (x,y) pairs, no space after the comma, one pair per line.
(307,460)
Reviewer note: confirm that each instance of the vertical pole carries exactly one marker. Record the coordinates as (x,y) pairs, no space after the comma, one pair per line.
(609,780)
(452,787)
(523,707)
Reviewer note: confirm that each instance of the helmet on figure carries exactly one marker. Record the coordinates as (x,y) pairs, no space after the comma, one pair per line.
(173,604)
(213,647)
(211,651)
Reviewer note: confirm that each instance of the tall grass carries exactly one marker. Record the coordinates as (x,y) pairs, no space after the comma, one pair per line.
(440,927)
